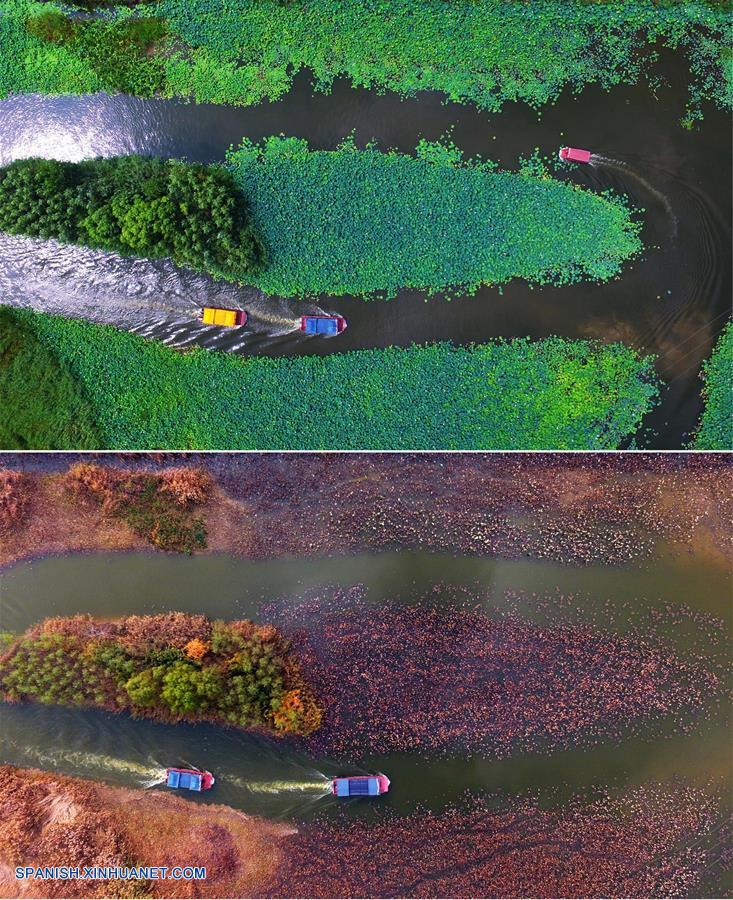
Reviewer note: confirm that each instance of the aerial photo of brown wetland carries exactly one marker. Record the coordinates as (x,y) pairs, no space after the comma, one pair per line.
(383,675)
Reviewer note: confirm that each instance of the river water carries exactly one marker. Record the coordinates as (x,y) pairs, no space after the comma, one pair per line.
(268,777)
(672,303)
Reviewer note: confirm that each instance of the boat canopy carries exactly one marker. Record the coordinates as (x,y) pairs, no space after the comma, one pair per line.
(187,780)
(356,787)
(229,318)
(321,325)
(575,154)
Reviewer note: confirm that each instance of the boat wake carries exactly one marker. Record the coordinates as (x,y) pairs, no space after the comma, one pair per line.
(87,763)
(152,298)
(283,786)
(597,159)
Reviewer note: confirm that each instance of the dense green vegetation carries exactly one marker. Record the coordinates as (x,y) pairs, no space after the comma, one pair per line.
(173,666)
(551,394)
(355,221)
(343,221)
(42,404)
(716,427)
(483,51)
(135,205)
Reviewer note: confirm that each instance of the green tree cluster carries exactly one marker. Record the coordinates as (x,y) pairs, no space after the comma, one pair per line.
(240,677)
(136,206)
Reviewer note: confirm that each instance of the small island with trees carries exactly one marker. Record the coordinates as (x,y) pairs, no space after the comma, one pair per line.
(170,667)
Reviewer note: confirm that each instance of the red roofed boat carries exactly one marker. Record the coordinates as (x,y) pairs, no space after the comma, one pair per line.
(574,154)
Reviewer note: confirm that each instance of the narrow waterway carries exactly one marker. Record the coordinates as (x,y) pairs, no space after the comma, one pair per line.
(672,303)
(264,776)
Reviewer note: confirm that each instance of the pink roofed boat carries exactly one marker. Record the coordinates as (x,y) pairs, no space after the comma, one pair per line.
(574,154)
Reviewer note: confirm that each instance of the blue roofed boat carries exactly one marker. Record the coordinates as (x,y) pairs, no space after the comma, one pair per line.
(322,324)
(188,779)
(360,785)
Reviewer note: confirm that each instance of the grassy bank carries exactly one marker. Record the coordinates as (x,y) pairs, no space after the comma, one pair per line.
(357,221)
(43,404)
(519,394)
(174,667)
(165,508)
(340,222)
(716,426)
(485,52)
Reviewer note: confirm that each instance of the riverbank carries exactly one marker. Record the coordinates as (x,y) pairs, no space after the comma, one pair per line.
(657,840)
(173,668)
(487,52)
(556,393)
(576,510)
(51,819)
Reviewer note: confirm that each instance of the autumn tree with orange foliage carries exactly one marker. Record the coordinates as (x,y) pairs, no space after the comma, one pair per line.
(197,649)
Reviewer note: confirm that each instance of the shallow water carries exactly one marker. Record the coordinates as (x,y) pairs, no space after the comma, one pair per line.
(268,777)
(672,303)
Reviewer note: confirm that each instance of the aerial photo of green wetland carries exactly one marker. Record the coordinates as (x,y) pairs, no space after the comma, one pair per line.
(365,224)
(366,675)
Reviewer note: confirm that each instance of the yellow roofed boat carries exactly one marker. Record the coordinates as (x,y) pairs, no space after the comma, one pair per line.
(227,318)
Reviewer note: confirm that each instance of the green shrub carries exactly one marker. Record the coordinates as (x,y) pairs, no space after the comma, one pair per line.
(42,404)
(188,689)
(521,394)
(135,205)
(6,639)
(51,25)
(123,54)
(113,658)
(144,689)
(716,426)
